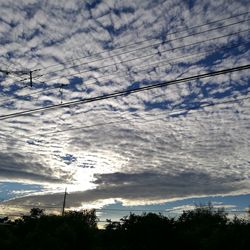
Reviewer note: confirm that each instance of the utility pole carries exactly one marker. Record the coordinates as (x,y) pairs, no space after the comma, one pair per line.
(64,201)
(19,73)
(31,79)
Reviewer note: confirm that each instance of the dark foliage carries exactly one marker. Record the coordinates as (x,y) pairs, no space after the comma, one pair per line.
(74,230)
(202,228)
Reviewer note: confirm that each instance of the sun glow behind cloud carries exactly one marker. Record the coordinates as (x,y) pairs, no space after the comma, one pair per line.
(87,164)
(155,149)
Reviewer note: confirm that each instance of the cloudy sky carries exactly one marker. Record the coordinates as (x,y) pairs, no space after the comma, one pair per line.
(164,149)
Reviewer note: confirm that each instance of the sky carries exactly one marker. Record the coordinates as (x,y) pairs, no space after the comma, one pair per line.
(165,149)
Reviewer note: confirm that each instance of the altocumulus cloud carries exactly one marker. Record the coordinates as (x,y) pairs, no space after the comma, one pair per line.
(145,154)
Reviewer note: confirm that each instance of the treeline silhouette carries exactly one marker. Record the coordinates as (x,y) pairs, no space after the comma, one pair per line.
(202,228)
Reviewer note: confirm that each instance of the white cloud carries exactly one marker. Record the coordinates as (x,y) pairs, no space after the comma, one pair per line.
(210,146)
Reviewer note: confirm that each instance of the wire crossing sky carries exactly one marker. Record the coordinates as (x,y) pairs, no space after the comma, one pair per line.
(134,105)
(128,92)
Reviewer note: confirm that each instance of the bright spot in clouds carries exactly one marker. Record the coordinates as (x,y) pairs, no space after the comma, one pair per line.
(144,149)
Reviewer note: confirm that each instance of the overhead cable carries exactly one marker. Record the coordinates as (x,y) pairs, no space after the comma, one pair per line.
(126,92)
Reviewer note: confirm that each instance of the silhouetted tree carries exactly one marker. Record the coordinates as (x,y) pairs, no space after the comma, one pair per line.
(36,213)
(203,228)
(4,219)
(146,231)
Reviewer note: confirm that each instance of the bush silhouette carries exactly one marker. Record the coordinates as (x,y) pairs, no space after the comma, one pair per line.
(202,228)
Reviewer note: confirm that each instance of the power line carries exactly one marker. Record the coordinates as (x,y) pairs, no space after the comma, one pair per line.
(126,52)
(150,55)
(147,120)
(139,42)
(147,40)
(126,92)
(167,60)
(145,56)
(137,120)
(115,64)
(56,86)
(19,72)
